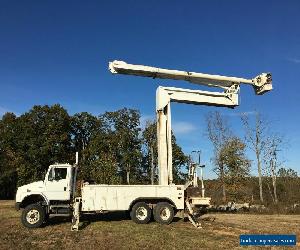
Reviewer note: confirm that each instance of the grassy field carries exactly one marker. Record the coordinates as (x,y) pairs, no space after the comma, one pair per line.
(115,231)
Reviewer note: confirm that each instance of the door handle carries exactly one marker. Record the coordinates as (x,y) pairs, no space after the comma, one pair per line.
(65,188)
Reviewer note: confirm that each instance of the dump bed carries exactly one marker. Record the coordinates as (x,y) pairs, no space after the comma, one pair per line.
(121,197)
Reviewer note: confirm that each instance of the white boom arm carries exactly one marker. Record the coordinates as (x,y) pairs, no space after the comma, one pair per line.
(165,95)
(261,83)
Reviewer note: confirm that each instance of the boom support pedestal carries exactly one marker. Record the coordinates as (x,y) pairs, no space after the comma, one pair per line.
(164,97)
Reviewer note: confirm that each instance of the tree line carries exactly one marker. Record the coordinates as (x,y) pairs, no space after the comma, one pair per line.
(115,149)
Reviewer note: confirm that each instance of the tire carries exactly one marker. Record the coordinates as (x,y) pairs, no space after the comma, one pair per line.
(140,213)
(163,213)
(33,216)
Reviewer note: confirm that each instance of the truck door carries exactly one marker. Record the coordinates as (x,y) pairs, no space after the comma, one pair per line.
(58,183)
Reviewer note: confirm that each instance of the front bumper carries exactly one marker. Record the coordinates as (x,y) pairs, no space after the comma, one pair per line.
(17,205)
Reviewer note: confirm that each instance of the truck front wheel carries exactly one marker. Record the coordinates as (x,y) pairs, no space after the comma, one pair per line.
(140,213)
(163,213)
(33,216)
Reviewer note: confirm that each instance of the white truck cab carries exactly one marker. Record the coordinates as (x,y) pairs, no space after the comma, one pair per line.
(58,182)
(50,196)
(57,185)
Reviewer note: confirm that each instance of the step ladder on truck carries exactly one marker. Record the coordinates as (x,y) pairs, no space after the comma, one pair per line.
(55,196)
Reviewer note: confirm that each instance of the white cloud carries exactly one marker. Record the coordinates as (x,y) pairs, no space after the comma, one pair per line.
(183,127)
(178,127)
(242,113)
(145,118)
(5,110)
(249,113)
(294,60)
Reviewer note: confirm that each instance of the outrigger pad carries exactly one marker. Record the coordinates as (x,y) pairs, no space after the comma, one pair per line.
(194,221)
(75,224)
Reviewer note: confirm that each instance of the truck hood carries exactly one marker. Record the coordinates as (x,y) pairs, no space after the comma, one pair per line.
(31,187)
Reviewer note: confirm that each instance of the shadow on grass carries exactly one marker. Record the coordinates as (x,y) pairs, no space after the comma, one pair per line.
(87,219)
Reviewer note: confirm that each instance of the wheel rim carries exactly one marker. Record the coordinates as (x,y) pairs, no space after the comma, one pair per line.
(33,216)
(165,213)
(141,213)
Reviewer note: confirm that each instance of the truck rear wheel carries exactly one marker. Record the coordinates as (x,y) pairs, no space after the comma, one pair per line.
(140,213)
(163,213)
(33,216)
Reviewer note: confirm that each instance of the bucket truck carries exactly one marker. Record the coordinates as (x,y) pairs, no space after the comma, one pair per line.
(55,195)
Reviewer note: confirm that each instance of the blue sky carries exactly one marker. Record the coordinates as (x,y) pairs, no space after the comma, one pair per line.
(58,52)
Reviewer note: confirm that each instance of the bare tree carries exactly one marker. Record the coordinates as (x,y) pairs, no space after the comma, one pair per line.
(257,138)
(272,163)
(218,132)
